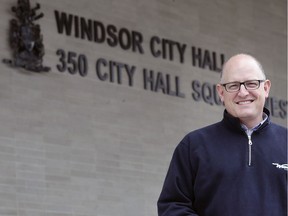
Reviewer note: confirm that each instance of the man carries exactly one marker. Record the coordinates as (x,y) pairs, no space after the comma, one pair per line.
(238,166)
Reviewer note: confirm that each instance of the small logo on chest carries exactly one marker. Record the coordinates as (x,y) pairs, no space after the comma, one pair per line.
(281,166)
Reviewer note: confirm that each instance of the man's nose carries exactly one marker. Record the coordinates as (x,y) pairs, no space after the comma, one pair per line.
(243,91)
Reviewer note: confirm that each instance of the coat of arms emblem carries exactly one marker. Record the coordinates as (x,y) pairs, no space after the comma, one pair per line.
(25,38)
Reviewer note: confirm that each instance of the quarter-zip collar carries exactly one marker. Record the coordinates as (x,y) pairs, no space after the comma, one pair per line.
(250,131)
(234,123)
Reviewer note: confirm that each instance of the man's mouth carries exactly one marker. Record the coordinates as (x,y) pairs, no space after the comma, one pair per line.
(244,102)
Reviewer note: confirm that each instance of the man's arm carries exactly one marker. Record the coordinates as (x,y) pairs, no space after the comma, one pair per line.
(177,195)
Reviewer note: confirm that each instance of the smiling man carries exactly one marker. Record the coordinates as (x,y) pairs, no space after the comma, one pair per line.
(238,166)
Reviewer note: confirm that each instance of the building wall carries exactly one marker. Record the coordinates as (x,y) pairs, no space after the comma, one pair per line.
(99,143)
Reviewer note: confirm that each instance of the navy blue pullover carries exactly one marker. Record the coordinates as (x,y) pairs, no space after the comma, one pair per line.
(210,173)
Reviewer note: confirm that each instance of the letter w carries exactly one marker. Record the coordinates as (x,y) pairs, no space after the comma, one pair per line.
(64,22)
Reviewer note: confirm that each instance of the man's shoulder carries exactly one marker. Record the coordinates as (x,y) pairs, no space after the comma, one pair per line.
(202,136)
(205,131)
(208,128)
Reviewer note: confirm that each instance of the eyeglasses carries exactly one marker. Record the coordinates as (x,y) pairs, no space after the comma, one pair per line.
(249,85)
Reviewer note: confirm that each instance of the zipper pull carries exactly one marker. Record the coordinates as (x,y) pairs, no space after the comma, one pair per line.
(249,140)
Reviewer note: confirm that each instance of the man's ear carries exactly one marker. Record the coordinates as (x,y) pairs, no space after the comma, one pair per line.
(220,91)
(267,86)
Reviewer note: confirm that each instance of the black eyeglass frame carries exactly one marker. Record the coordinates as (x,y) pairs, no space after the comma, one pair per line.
(242,83)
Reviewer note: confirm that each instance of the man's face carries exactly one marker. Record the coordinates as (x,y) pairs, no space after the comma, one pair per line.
(247,105)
